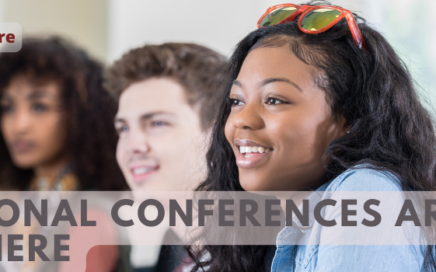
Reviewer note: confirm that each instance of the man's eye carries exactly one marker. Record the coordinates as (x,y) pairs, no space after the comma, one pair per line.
(122,129)
(273,101)
(158,124)
(235,102)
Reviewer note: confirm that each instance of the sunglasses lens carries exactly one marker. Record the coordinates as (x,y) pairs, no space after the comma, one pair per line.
(276,16)
(319,18)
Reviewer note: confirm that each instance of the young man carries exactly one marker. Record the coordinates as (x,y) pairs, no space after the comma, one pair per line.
(167,106)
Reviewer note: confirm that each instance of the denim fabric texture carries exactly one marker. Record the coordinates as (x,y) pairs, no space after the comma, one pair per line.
(337,258)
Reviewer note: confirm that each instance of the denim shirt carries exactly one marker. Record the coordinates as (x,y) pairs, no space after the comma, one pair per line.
(337,258)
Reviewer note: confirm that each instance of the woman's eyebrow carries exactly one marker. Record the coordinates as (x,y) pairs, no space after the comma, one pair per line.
(38,94)
(237,83)
(5,97)
(279,79)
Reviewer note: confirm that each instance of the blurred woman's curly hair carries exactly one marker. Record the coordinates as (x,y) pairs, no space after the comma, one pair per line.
(90,110)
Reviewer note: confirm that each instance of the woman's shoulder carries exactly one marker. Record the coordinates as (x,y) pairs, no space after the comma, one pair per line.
(365,177)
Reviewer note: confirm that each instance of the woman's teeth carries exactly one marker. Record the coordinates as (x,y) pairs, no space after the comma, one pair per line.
(254,149)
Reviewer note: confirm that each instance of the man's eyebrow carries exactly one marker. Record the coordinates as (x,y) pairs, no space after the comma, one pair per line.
(143,117)
(119,120)
(152,114)
(279,79)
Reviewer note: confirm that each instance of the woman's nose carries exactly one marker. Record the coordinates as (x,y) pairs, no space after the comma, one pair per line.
(249,117)
(21,122)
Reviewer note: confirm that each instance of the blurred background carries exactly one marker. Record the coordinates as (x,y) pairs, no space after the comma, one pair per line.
(108,28)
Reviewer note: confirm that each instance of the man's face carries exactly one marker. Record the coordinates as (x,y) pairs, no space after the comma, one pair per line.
(161,146)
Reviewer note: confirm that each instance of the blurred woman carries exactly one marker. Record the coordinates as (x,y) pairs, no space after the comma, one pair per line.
(56,120)
(56,124)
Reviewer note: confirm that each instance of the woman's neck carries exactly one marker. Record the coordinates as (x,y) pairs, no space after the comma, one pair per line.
(50,170)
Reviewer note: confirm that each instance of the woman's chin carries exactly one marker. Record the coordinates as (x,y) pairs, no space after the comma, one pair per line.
(253,185)
(24,164)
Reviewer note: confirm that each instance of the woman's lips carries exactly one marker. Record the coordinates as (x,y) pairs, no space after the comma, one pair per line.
(22,146)
(250,160)
(250,153)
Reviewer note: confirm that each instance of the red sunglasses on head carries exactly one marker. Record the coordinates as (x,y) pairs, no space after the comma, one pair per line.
(313,19)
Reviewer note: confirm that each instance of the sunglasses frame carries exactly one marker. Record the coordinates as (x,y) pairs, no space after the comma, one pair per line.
(305,9)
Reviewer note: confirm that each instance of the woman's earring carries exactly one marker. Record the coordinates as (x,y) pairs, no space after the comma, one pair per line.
(348,131)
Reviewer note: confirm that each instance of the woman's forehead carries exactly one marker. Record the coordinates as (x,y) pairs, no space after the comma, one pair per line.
(264,63)
(20,87)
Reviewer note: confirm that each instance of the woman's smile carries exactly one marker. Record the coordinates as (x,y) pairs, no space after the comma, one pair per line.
(280,123)
(250,154)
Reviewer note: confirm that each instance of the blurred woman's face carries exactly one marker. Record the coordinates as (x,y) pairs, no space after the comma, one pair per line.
(280,122)
(32,123)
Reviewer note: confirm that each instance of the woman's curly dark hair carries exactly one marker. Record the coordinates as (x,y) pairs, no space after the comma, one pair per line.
(90,110)
(389,127)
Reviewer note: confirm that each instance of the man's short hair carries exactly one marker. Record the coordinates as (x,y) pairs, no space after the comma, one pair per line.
(199,70)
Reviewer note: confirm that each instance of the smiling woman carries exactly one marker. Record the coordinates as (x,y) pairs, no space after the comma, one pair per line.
(328,109)
(279,108)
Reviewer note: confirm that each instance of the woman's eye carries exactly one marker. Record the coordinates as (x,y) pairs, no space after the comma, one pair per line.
(5,109)
(273,101)
(38,108)
(235,102)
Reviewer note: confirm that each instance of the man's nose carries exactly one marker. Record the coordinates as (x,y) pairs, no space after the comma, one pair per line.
(138,141)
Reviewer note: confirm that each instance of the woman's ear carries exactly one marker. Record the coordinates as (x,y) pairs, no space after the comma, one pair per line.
(344,127)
